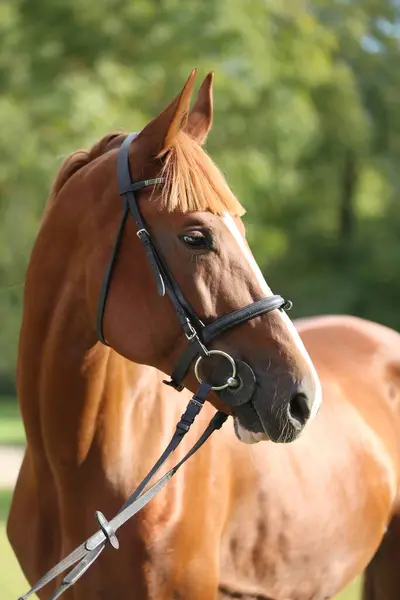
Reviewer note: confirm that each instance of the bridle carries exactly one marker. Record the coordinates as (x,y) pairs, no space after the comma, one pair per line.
(237,389)
(197,334)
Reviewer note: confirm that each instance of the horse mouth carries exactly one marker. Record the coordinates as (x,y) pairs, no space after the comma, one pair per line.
(248,437)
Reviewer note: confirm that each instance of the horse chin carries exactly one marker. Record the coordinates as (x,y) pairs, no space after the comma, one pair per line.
(246,436)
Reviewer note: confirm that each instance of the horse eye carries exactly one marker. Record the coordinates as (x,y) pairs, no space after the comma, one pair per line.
(195,239)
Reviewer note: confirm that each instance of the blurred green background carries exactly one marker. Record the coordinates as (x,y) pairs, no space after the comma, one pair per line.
(307,130)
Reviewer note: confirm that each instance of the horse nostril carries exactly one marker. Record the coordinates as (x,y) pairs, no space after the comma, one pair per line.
(299,410)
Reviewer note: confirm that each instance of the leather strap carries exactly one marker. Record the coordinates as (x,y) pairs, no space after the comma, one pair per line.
(90,550)
(165,282)
(127,188)
(197,334)
(251,311)
(211,331)
(188,319)
(105,286)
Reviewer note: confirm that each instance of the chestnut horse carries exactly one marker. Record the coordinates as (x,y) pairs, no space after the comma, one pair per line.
(262,521)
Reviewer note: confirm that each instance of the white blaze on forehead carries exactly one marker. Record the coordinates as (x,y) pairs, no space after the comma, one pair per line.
(317,391)
(233,228)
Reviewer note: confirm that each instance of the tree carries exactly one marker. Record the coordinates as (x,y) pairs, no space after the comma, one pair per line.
(306,128)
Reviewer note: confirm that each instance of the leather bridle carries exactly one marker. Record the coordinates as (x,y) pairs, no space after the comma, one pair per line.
(198,337)
(197,334)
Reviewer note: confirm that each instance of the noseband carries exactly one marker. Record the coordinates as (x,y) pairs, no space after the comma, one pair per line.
(237,389)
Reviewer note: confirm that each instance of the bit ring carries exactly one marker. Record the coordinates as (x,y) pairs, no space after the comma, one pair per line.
(231,378)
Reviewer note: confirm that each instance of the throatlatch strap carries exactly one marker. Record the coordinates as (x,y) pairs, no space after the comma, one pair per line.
(107,278)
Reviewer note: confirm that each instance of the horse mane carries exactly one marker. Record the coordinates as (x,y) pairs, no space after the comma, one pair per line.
(80,158)
(192,180)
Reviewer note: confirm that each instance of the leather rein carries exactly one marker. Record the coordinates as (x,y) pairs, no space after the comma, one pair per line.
(198,336)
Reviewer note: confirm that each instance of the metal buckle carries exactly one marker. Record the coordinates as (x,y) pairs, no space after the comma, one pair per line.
(155,181)
(142,231)
(193,332)
(196,402)
(287,305)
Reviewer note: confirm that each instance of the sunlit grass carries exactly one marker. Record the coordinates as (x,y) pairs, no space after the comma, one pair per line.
(352,592)
(11,428)
(12,582)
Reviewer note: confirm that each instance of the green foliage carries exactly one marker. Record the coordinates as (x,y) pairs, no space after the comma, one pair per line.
(307,128)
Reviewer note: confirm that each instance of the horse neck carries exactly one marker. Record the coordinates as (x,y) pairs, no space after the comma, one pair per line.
(80,400)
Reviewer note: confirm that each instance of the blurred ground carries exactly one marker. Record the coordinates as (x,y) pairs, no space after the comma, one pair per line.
(10,461)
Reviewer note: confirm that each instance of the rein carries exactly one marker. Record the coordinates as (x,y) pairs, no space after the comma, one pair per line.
(91,549)
(238,388)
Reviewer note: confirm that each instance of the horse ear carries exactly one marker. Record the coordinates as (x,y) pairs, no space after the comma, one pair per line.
(200,118)
(159,135)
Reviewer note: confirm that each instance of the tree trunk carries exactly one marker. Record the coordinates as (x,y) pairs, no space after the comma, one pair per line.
(347,218)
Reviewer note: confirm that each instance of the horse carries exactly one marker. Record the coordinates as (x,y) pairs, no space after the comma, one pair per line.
(293,500)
